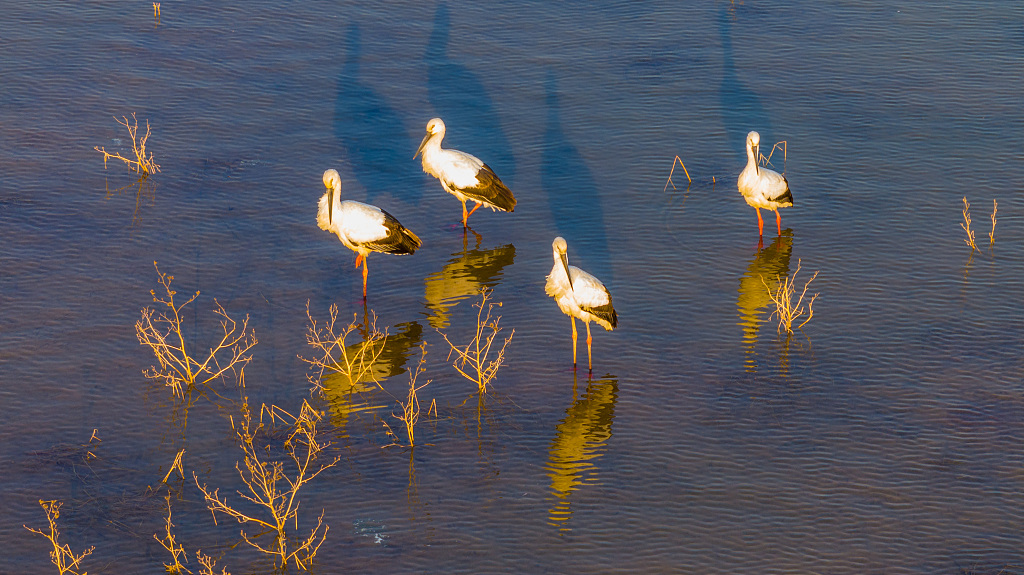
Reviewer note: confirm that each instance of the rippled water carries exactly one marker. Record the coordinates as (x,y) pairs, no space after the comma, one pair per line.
(886,437)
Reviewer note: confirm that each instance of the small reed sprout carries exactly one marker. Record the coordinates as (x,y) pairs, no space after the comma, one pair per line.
(787,310)
(156,9)
(178,368)
(966,225)
(992,234)
(673,170)
(473,359)
(411,406)
(142,164)
(273,488)
(334,354)
(67,561)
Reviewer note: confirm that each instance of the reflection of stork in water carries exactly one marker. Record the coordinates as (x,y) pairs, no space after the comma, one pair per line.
(579,295)
(769,263)
(347,393)
(361,227)
(463,276)
(580,438)
(463,175)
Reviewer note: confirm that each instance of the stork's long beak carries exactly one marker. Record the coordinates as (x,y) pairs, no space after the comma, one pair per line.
(422,145)
(757,160)
(330,205)
(565,264)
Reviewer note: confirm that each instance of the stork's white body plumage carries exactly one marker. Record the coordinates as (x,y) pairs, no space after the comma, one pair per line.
(761,187)
(361,227)
(579,295)
(463,175)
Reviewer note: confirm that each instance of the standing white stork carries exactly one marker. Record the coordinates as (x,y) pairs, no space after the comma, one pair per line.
(361,227)
(579,295)
(463,175)
(763,188)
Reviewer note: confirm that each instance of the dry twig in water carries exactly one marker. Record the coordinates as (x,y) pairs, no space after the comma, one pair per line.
(61,556)
(472,360)
(673,170)
(767,161)
(178,369)
(175,465)
(786,309)
(966,225)
(142,164)
(270,487)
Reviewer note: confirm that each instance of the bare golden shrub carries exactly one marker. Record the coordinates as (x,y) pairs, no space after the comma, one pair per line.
(473,360)
(178,368)
(411,406)
(272,488)
(142,164)
(332,353)
(61,555)
(782,296)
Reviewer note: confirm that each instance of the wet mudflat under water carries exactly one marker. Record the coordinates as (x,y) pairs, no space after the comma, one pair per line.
(886,437)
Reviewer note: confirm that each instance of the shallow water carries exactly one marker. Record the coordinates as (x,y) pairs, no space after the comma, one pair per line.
(886,437)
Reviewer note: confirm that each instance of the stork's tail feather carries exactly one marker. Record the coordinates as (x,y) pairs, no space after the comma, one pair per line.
(410,242)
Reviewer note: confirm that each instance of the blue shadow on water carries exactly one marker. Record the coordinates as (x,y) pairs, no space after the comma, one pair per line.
(376,141)
(740,107)
(572,193)
(460,99)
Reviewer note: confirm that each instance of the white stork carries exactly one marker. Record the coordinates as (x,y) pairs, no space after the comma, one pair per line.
(361,227)
(579,295)
(463,175)
(763,188)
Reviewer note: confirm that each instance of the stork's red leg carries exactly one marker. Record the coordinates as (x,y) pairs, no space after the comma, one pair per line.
(573,341)
(760,223)
(473,210)
(778,221)
(590,365)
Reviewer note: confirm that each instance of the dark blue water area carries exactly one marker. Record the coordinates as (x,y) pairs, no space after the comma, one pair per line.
(885,436)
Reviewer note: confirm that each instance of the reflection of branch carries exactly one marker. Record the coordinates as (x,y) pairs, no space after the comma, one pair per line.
(143,186)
